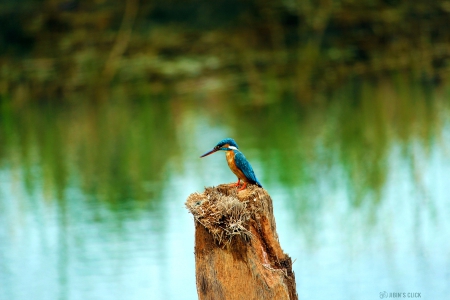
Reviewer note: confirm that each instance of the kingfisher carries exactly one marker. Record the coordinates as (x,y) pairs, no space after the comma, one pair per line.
(236,161)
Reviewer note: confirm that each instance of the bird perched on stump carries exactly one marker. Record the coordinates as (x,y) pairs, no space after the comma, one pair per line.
(236,161)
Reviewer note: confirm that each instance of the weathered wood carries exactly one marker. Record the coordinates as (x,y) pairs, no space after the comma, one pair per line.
(237,252)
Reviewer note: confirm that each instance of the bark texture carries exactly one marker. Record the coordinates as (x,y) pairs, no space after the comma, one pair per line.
(237,253)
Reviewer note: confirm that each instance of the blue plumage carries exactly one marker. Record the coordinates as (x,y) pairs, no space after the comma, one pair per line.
(243,165)
(228,141)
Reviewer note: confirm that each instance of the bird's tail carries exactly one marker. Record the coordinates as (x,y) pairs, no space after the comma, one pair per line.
(258,183)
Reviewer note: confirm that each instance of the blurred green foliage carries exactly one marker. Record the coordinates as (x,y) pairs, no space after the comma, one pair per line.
(109,151)
(70,49)
(130,149)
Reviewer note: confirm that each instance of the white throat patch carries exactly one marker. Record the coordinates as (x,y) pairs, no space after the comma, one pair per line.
(232,147)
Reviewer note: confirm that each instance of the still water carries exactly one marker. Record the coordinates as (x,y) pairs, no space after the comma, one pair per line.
(92,198)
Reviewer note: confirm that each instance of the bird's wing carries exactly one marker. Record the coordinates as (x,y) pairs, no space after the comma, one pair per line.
(243,165)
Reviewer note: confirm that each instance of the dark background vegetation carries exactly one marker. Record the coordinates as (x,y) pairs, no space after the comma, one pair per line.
(64,50)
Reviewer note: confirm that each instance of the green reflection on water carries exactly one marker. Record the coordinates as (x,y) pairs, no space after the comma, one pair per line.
(355,129)
(119,150)
(114,152)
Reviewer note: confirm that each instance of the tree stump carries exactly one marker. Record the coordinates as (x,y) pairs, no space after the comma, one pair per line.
(237,253)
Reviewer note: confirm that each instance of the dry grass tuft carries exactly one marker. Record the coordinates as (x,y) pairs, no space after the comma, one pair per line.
(224,212)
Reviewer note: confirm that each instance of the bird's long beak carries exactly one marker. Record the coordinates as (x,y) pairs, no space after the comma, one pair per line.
(209,152)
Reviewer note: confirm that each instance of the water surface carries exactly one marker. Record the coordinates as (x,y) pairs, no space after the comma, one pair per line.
(92,196)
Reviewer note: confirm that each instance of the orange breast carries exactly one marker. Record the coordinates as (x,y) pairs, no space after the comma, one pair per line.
(232,165)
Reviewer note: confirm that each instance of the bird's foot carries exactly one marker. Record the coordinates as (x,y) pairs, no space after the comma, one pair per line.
(237,183)
(243,187)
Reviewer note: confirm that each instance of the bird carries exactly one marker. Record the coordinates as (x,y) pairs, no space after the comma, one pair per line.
(237,162)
